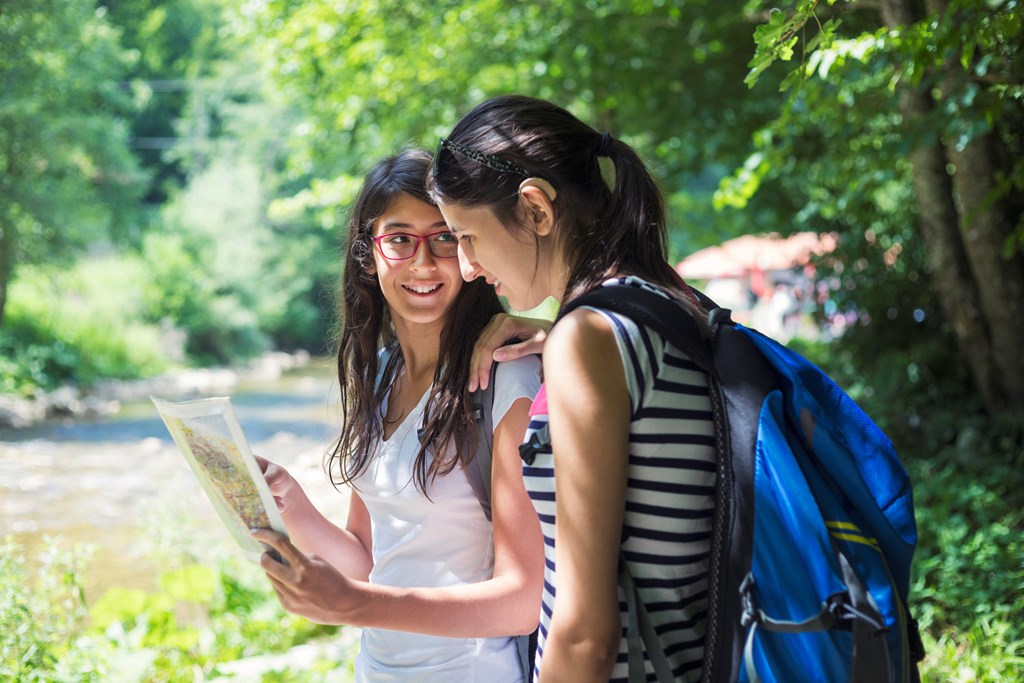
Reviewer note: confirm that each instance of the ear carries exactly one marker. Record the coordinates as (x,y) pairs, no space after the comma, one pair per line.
(538,197)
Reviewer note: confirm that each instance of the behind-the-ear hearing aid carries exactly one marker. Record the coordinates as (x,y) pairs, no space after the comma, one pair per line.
(544,186)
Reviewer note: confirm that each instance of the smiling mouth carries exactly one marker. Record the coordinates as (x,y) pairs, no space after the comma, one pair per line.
(422,289)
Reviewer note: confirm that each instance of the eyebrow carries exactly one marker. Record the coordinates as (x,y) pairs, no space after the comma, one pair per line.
(398,224)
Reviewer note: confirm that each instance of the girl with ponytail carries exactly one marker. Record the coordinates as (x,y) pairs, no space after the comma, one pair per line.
(522,186)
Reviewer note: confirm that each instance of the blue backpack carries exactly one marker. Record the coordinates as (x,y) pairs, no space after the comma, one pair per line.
(814,529)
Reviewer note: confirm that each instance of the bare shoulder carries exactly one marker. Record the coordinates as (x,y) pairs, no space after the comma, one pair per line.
(581,353)
(583,331)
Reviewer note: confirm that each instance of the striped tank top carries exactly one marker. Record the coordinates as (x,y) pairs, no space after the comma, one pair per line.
(669,497)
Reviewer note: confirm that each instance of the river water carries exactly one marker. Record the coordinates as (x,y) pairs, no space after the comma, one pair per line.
(120,486)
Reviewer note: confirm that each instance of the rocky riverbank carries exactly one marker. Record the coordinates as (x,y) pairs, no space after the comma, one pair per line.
(105,398)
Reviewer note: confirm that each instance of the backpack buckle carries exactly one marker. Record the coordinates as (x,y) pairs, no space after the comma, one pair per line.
(719,316)
(749,614)
(528,450)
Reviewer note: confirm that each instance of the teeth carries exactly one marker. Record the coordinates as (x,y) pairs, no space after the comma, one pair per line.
(422,289)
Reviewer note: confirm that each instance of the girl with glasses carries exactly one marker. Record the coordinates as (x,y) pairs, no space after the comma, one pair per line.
(437,587)
(623,460)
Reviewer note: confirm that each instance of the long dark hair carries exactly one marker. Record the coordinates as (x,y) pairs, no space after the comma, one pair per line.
(367,328)
(601,230)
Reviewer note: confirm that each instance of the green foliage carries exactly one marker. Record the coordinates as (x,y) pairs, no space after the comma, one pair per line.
(969,570)
(986,653)
(371,76)
(775,39)
(220,271)
(68,176)
(41,617)
(839,149)
(177,45)
(82,324)
(201,617)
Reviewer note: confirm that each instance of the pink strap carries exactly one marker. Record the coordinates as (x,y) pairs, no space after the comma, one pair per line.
(540,403)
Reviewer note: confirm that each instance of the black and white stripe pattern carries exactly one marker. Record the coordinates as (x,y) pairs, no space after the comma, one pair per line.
(669,498)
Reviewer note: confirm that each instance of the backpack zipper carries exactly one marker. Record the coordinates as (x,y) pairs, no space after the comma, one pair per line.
(719,534)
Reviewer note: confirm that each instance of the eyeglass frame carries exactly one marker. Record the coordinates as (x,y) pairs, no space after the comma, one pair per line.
(419,239)
(491,161)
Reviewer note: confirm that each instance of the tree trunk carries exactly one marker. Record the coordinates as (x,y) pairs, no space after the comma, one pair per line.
(939,224)
(985,228)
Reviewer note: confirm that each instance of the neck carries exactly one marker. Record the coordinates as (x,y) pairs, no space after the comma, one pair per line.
(558,274)
(421,347)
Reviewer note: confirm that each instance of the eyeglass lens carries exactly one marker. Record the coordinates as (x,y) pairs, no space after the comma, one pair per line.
(399,246)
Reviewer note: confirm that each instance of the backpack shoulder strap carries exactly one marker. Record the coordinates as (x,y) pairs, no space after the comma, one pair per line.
(478,468)
(655,311)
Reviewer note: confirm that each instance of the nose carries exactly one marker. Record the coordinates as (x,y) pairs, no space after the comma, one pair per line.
(423,259)
(469,268)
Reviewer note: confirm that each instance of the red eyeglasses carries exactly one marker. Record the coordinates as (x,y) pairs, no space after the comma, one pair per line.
(399,246)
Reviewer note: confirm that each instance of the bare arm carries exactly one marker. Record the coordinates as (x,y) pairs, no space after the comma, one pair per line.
(506,604)
(347,550)
(489,348)
(589,417)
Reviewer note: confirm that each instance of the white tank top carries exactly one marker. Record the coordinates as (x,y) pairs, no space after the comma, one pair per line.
(442,541)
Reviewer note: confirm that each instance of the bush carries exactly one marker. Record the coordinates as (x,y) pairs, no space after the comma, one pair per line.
(201,618)
(41,617)
(78,325)
(969,566)
(986,653)
(232,281)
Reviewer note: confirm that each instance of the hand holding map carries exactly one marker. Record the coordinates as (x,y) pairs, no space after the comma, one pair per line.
(209,436)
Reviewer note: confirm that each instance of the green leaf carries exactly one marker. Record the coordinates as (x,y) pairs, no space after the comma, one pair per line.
(118,605)
(785,50)
(766,35)
(195,583)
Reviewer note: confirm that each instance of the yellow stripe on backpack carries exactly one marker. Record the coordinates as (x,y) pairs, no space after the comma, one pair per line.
(844,535)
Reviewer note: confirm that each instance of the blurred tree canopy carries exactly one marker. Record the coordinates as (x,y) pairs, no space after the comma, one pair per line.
(67,176)
(666,76)
(904,123)
(175,44)
(894,123)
